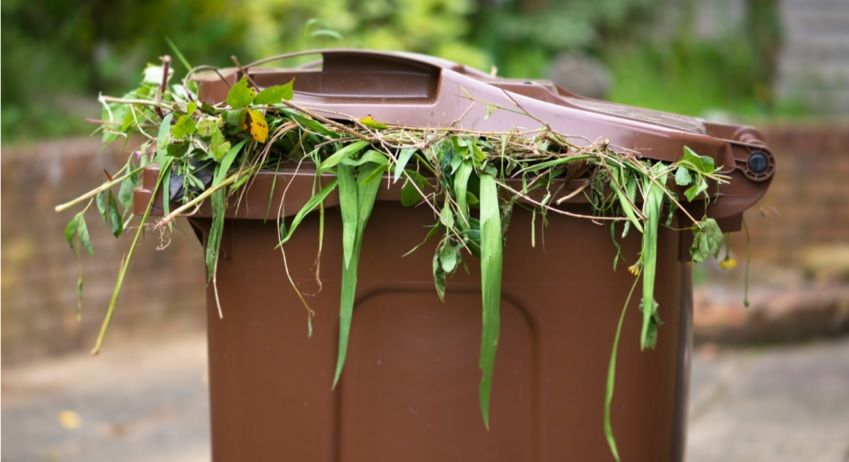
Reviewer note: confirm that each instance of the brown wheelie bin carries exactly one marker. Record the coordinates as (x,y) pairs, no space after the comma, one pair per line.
(409,391)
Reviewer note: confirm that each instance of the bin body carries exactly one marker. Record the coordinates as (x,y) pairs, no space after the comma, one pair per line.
(409,390)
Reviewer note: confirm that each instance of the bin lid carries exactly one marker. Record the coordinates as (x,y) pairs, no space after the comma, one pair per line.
(427,92)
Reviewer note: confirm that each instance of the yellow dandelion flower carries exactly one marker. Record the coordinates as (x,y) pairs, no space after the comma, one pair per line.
(728,264)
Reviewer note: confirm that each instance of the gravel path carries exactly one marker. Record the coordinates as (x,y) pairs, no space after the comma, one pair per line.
(148,402)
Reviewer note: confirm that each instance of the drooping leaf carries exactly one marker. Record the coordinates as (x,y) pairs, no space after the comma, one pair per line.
(276,93)
(363,190)
(491,262)
(707,240)
(100,202)
(125,191)
(403,159)
(240,94)
(348,209)
(218,203)
(652,204)
(446,217)
(116,222)
(71,229)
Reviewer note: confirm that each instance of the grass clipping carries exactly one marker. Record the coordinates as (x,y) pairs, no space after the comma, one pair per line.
(470,180)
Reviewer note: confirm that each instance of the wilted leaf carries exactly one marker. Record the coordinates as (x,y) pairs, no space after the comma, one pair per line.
(256,125)
(369,121)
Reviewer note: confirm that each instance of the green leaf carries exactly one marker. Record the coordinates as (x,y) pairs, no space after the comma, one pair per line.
(162,139)
(445,215)
(694,191)
(116,222)
(100,202)
(438,277)
(682,176)
(702,164)
(82,234)
(125,191)
(208,126)
(234,117)
(403,159)
(371,156)
(707,240)
(491,262)
(626,198)
(240,94)
(276,94)
(449,257)
(312,124)
(71,229)
(184,127)
(342,154)
(218,146)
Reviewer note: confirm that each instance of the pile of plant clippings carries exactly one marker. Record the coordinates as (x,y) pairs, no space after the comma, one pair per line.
(471,180)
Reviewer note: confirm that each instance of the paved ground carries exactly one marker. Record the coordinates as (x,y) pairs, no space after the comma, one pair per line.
(148,402)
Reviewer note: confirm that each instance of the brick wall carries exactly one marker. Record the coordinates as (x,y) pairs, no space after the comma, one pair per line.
(163,291)
(807,205)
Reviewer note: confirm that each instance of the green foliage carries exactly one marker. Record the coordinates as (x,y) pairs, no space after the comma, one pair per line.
(464,178)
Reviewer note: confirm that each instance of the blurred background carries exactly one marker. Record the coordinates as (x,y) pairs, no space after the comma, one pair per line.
(770,382)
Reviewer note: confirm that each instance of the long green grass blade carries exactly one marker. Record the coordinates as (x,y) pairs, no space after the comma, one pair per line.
(125,263)
(652,202)
(307,208)
(219,205)
(611,377)
(491,262)
(340,155)
(461,184)
(359,195)
(348,208)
